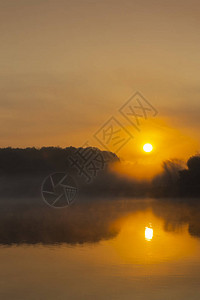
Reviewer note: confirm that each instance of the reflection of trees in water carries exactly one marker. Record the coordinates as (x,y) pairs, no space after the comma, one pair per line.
(77,224)
(22,171)
(176,213)
(86,222)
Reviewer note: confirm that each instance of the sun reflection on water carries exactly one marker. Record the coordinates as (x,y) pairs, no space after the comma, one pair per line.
(142,242)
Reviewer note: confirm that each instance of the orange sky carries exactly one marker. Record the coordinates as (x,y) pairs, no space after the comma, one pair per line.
(67,66)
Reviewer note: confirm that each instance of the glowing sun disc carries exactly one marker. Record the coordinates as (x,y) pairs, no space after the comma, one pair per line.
(147,147)
(148,233)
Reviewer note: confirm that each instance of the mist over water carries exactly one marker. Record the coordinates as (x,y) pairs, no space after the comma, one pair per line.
(104,239)
(120,238)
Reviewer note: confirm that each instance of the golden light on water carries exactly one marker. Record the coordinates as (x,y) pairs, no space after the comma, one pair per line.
(143,242)
(147,147)
(148,233)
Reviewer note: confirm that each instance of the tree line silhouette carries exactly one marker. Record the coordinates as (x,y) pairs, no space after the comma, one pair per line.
(45,159)
(176,179)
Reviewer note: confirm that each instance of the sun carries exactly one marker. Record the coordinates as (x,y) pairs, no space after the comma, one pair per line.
(148,233)
(147,147)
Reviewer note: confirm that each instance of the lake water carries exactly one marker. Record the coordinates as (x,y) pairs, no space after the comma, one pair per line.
(101,249)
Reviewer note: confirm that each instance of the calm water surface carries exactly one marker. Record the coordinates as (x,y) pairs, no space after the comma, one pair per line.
(123,249)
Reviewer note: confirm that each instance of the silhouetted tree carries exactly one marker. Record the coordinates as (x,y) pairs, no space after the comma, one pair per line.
(190,178)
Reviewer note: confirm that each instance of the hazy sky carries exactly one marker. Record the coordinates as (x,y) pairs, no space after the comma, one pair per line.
(67,66)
